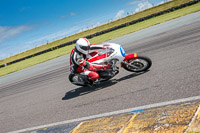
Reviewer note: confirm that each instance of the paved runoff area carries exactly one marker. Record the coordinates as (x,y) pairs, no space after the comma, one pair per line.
(171,118)
(175,116)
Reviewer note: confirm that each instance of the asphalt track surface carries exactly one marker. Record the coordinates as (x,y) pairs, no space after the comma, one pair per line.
(48,97)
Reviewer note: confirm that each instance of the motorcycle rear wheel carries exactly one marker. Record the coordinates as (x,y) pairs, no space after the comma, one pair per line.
(141,64)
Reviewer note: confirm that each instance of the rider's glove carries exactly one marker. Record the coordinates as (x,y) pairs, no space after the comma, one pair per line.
(105,47)
(82,62)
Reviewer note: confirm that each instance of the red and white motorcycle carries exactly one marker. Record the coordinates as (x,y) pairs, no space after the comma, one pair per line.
(115,55)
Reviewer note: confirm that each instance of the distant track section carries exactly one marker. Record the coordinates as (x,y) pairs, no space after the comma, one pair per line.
(105,31)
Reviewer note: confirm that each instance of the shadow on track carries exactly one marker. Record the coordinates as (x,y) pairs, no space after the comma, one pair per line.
(85,90)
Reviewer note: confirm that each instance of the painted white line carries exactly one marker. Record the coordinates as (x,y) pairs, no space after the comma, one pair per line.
(192,119)
(110,113)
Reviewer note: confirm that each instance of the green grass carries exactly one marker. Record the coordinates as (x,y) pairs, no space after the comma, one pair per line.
(34,60)
(97,29)
(101,38)
(147,23)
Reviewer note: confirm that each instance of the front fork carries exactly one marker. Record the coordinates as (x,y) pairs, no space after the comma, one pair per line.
(127,58)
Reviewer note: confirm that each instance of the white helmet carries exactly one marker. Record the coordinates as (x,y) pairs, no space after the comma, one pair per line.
(83,45)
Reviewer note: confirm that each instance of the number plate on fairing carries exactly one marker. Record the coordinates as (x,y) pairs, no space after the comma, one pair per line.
(122,51)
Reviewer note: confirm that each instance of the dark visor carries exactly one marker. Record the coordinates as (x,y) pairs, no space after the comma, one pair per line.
(85,47)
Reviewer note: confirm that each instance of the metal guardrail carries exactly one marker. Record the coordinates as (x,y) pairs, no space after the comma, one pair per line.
(104,31)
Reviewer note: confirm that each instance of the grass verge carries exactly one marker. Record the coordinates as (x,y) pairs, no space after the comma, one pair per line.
(101,38)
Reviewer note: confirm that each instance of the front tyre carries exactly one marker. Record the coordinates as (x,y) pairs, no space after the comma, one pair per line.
(76,80)
(142,63)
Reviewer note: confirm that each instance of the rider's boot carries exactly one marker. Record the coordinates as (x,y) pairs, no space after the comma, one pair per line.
(96,82)
(93,83)
(90,82)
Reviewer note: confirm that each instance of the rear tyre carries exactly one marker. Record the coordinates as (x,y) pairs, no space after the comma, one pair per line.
(142,63)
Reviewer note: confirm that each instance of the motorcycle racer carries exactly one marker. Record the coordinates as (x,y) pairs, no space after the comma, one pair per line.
(78,60)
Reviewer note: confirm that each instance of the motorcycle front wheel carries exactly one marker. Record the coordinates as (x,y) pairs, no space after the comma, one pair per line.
(142,63)
(75,79)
